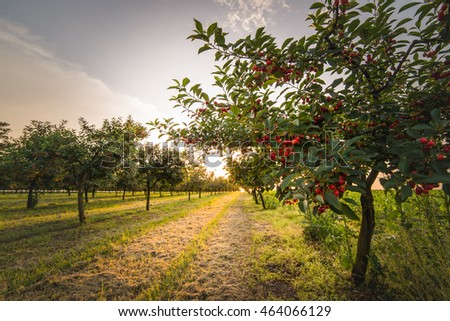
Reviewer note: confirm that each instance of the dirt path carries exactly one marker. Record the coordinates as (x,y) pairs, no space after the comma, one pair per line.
(221,271)
(127,270)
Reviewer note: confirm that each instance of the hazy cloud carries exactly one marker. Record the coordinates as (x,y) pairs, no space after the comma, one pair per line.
(36,85)
(251,14)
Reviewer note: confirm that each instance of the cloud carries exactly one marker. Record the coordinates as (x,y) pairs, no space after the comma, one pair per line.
(251,14)
(37,85)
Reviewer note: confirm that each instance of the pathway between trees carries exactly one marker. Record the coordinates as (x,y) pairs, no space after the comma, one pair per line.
(206,250)
(221,271)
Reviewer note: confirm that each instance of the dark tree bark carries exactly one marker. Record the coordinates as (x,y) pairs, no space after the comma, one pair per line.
(123,194)
(189,195)
(147,192)
(81,214)
(200,193)
(86,195)
(366,231)
(30,198)
(255,197)
(262,200)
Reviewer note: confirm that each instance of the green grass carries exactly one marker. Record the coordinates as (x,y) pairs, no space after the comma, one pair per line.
(55,242)
(285,265)
(311,258)
(292,257)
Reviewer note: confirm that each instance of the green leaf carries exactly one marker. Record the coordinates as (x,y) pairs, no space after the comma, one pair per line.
(336,82)
(204,48)
(185,82)
(388,184)
(287,181)
(235,110)
(403,165)
(352,26)
(435,115)
(211,29)
(402,22)
(332,199)
(367,7)
(317,5)
(286,42)
(350,201)
(319,198)
(355,188)
(422,127)
(405,192)
(198,26)
(347,210)
(259,32)
(303,206)
(407,6)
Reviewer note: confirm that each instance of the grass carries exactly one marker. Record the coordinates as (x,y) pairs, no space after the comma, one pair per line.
(291,258)
(286,266)
(175,273)
(312,258)
(34,251)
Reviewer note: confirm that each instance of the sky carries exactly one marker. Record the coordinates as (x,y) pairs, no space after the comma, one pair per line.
(65,59)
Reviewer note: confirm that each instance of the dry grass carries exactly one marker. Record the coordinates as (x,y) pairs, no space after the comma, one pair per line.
(124,269)
(221,269)
(28,261)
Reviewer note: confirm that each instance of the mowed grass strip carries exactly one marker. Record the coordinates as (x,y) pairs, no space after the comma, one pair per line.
(24,247)
(173,277)
(60,251)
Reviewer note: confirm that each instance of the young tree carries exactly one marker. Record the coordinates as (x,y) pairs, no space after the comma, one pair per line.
(366,94)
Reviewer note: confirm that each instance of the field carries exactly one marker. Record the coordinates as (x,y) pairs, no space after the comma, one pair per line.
(219,247)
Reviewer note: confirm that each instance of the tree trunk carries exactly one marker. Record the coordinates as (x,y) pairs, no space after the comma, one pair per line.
(255,198)
(68,192)
(93,193)
(160,192)
(147,206)
(81,216)
(366,231)
(200,193)
(123,194)
(262,200)
(189,195)
(117,192)
(30,198)
(86,195)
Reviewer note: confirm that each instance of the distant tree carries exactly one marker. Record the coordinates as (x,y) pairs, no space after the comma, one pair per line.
(92,154)
(4,143)
(33,161)
(159,165)
(4,136)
